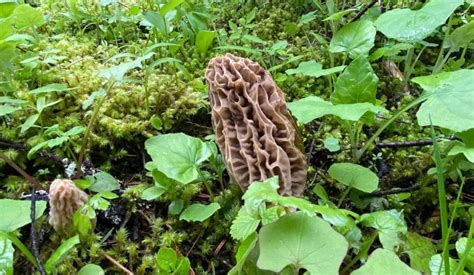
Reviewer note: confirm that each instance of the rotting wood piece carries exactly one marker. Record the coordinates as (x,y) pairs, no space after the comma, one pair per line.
(255,132)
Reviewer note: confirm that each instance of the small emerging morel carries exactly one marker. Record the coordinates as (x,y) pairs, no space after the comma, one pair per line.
(255,132)
(64,199)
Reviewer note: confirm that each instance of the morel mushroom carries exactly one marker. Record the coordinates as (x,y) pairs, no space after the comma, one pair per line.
(255,132)
(64,199)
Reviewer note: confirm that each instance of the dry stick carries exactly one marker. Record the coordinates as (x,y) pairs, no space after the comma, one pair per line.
(123,268)
(414,143)
(364,10)
(391,192)
(44,154)
(34,242)
(21,172)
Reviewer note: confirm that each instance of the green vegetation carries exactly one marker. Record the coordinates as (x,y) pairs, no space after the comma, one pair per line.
(112,95)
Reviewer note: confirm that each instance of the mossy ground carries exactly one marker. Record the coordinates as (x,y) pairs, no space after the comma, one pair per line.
(74,51)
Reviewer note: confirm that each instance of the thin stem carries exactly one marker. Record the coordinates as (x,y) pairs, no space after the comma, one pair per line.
(469,245)
(362,252)
(206,184)
(89,130)
(343,197)
(408,61)
(442,200)
(387,123)
(439,61)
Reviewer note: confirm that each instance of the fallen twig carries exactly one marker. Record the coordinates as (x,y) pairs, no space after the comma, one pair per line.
(391,192)
(117,264)
(21,172)
(34,242)
(414,143)
(363,10)
(44,154)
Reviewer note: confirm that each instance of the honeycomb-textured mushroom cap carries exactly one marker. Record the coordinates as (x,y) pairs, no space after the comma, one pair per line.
(255,132)
(64,199)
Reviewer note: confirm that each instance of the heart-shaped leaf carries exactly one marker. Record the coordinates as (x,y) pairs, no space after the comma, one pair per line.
(178,156)
(357,84)
(450,100)
(356,38)
(383,261)
(406,25)
(301,241)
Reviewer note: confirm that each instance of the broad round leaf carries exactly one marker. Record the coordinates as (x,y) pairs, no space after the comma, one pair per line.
(356,38)
(16,213)
(199,212)
(390,225)
(355,176)
(419,249)
(301,241)
(357,84)
(103,182)
(406,25)
(450,100)
(313,107)
(383,261)
(91,269)
(178,156)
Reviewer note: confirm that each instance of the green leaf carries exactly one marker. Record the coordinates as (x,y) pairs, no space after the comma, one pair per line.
(313,107)
(29,122)
(313,69)
(91,269)
(356,38)
(172,4)
(178,155)
(7,7)
(199,212)
(338,15)
(461,250)
(55,87)
(383,261)
(16,213)
(410,26)
(332,144)
(25,16)
(204,40)
(355,176)
(461,148)
(437,267)
(157,20)
(6,255)
(389,51)
(118,72)
(450,100)
(419,249)
(8,109)
(292,241)
(103,181)
(390,225)
(461,36)
(175,207)
(152,193)
(61,252)
(168,262)
(244,224)
(306,18)
(357,84)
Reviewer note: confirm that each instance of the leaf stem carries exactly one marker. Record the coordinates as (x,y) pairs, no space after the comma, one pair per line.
(442,201)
